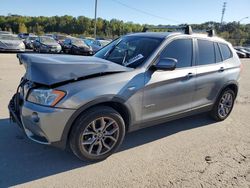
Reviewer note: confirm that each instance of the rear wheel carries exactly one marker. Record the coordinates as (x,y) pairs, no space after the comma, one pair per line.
(223,105)
(97,134)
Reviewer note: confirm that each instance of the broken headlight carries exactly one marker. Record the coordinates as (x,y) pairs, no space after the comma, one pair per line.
(46,97)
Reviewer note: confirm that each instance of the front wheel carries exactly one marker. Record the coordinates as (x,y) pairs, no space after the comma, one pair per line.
(97,134)
(224,105)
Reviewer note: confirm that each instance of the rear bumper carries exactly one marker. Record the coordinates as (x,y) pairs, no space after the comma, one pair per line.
(44,125)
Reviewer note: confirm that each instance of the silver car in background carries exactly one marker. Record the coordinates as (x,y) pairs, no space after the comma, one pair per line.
(11,43)
(136,81)
(29,41)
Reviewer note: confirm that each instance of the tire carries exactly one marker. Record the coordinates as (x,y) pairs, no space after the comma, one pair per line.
(217,112)
(85,140)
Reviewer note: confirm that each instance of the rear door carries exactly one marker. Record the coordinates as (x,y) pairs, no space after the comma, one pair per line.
(210,75)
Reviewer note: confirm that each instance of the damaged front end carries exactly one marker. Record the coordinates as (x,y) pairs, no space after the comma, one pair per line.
(15,103)
(34,105)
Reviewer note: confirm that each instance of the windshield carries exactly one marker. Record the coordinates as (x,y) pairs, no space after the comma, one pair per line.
(61,37)
(47,40)
(88,42)
(129,51)
(78,42)
(9,37)
(104,42)
(32,38)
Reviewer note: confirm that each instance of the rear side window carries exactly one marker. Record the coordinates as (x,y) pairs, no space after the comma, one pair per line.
(226,52)
(180,49)
(206,54)
(217,53)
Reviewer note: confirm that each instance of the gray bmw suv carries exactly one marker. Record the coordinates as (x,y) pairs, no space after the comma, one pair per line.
(136,81)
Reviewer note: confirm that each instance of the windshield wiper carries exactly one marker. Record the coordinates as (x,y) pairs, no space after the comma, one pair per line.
(124,58)
(107,54)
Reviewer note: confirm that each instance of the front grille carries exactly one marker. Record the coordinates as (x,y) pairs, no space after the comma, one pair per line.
(14,110)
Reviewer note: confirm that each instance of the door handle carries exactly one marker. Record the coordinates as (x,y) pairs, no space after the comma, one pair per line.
(190,75)
(221,69)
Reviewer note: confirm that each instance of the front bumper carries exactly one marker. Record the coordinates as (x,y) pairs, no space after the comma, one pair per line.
(44,125)
(82,52)
(50,50)
(12,50)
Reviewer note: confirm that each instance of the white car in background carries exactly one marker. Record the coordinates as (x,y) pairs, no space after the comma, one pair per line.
(9,42)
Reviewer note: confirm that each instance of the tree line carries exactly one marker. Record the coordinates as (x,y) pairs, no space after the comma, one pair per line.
(237,34)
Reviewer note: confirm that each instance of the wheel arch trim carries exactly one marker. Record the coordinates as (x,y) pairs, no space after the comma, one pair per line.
(107,99)
(226,85)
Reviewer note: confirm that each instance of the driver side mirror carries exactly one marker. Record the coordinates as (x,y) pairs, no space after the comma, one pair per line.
(166,64)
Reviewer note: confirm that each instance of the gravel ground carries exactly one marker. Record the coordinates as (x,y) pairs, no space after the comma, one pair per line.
(190,152)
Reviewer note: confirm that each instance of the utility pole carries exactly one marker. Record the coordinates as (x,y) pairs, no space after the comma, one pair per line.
(223,12)
(95,18)
(239,35)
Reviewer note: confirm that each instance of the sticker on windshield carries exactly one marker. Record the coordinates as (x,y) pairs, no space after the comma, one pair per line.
(134,59)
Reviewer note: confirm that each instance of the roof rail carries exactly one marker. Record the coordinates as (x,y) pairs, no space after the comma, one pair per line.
(187,28)
(211,32)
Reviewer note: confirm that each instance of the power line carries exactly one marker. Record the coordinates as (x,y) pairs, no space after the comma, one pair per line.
(145,12)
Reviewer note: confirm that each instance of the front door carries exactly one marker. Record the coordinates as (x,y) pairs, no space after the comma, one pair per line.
(168,93)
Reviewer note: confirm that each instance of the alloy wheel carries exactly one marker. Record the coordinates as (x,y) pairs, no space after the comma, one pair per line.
(225,104)
(100,136)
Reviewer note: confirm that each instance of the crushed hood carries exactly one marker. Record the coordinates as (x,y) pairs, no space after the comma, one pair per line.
(50,69)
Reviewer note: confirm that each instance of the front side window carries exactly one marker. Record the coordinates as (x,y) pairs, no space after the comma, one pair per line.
(206,52)
(226,52)
(129,51)
(180,49)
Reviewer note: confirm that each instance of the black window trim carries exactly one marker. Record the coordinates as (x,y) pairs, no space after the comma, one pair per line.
(197,53)
(216,43)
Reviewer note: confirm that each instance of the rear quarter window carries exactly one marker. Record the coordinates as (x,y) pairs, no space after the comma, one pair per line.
(225,51)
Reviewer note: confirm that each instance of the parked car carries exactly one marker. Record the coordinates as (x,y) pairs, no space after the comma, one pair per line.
(240,54)
(60,38)
(136,81)
(44,44)
(242,49)
(49,35)
(29,41)
(247,48)
(103,43)
(23,36)
(5,32)
(77,46)
(9,42)
(92,43)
